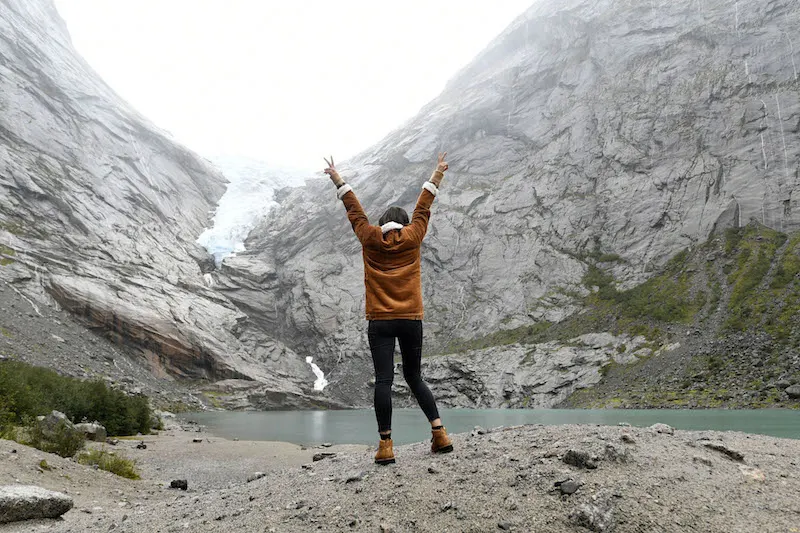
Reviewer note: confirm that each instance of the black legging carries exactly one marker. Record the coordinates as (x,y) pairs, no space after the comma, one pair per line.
(382,335)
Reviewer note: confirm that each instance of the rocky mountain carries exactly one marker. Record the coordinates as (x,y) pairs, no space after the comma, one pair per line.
(593,139)
(99,213)
(589,143)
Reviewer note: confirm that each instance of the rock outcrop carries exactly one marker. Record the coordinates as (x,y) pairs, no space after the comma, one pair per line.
(588,128)
(100,210)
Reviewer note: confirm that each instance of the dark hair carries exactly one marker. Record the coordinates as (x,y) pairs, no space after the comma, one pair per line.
(394,214)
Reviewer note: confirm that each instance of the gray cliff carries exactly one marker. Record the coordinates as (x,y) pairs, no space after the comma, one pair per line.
(588,126)
(99,213)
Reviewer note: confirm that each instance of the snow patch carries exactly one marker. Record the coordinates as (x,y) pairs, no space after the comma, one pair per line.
(248,199)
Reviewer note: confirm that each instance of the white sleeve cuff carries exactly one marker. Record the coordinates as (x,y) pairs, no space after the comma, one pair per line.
(430,187)
(341,191)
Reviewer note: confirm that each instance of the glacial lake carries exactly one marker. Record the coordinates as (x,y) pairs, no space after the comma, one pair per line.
(409,425)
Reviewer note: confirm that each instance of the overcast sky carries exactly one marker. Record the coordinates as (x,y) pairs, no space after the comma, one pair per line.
(286,82)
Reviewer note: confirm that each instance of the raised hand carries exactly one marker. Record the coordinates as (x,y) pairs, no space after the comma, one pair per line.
(442,166)
(332,172)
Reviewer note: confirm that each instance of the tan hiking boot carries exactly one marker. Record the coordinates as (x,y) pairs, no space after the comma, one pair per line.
(441,443)
(385,455)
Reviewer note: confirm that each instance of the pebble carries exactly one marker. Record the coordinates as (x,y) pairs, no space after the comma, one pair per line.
(579,459)
(568,487)
(731,454)
(254,477)
(663,428)
(356,477)
(703,460)
(181,484)
(505,526)
(753,474)
(432,469)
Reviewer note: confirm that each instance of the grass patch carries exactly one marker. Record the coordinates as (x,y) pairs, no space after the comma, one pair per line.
(214,398)
(27,391)
(789,267)
(110,462)
(12,227)
(756,301)
(8,253)
(522,335)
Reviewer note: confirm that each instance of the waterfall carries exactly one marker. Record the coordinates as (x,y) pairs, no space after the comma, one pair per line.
(320,383)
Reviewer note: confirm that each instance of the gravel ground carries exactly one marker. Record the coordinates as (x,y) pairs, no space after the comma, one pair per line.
(627,480)
(214,462)
(103,498)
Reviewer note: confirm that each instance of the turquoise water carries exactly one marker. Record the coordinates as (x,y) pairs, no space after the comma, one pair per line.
(409,425)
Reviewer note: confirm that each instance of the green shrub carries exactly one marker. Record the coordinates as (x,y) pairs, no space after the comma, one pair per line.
(28,391)
(62,440)
(715,363)
(7,418)
(110,462)
(596,277)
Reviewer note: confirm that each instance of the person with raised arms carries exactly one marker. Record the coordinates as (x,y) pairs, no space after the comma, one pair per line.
(394,310)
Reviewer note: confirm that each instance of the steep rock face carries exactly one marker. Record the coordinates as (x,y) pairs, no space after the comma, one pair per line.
(533,377)
(101,209)
(588,127)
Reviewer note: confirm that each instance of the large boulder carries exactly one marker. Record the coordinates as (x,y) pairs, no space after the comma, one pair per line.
(50,422)
(92,431)
(28,502)
(793,392)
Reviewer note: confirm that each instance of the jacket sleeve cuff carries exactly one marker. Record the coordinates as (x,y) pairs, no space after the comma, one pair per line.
(341,191)
(434,190)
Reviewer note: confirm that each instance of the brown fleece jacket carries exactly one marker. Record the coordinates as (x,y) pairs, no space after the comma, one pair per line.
(391,258)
